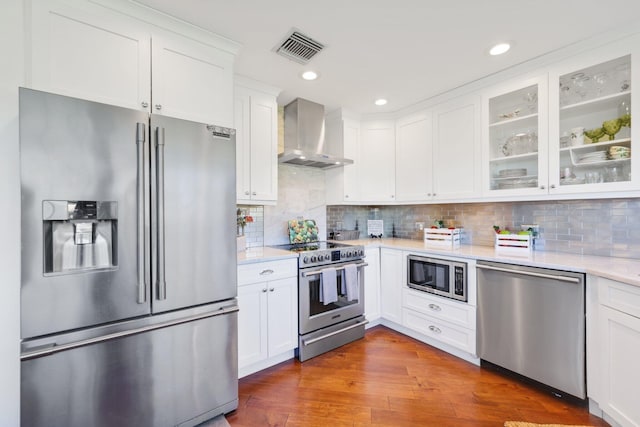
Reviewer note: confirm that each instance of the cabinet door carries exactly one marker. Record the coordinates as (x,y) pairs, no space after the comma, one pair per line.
(376,158)
(89,52)
(592,142)
(414,159)
(392,265)
(456,149)
(351,149)
(252,323)
(620,344)
(192,80)
(515,143)
(283,315)
(372,284)
(264,147)
(241,122)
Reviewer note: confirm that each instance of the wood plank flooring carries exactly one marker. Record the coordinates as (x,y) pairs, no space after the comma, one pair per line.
(389,379)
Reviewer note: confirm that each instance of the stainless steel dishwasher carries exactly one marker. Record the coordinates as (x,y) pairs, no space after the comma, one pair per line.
(532,321)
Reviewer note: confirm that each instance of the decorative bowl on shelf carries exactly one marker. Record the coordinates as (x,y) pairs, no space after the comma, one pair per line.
(594,134)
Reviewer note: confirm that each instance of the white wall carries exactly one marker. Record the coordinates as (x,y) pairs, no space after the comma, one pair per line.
(11,76)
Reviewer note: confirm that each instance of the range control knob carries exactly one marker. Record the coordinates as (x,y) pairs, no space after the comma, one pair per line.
(361,252)
(313,259)
(349,254)
(343,255)
(305,260)
(327,257)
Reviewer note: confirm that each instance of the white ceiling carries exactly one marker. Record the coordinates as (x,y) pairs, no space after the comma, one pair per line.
(402,50)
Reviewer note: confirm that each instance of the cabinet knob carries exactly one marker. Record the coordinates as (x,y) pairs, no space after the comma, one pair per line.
(542,187)
(434,194)
(392,196)
(346,196)
(552,186)
(254,193)
(144,104)
(264,290)
(158,107)
(435,329)
(246,193)
(271,289)
(428,194)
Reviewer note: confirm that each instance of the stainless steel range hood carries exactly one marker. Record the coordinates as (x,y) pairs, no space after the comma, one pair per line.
(304,137)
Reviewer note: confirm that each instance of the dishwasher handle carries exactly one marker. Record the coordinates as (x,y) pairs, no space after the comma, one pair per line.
(530,273)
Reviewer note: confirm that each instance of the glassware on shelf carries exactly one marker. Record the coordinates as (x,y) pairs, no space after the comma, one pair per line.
(531,99)
(612,127)
(565,93)
(594,134)
(577,136)
(623,75)
(581,84)
(624,112)
(600,80)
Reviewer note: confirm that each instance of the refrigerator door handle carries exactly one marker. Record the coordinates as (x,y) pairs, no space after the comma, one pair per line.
(161,284)
(140,142)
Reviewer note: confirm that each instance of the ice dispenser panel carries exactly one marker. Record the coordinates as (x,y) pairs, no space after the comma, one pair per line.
(79,235)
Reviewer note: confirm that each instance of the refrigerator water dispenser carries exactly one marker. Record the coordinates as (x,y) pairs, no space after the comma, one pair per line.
(79,235)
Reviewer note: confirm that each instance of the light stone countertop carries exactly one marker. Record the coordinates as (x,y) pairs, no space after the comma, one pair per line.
(619,269)
(261,254)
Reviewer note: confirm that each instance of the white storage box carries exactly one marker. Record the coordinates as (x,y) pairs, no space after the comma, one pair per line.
(445,238)
(514,243)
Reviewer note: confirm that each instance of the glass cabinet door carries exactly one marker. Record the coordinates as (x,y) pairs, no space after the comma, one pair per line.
(594,125)
(515,138)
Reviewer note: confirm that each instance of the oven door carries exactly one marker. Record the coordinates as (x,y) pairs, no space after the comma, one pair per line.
(314,314)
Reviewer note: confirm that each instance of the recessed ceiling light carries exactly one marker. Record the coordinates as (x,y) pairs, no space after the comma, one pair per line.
(499,49)
(309,75)
(381,101)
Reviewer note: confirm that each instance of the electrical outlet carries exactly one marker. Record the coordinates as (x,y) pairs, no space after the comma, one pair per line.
(419,226)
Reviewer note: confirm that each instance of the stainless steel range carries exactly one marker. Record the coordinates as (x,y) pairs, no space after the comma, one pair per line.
(330,296)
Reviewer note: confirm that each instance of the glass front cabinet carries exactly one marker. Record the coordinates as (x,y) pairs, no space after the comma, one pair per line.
(515,138)
(592,145)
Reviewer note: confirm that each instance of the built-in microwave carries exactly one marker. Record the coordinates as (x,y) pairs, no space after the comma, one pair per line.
(438,276)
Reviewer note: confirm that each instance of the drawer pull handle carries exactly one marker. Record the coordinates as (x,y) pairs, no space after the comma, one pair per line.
(434,307)
(265,272)
(435,329)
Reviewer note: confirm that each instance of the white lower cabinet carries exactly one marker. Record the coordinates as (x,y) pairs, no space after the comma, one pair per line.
(392,278)
(450,322)
(268,317)
(619,352)
(372,284)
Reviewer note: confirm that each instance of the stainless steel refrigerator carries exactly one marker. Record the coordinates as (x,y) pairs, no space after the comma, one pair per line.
(128,309)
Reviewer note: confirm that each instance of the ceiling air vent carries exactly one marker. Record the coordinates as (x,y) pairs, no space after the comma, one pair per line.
(299,48)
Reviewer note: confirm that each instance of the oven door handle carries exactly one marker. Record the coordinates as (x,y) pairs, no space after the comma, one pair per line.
(316,272)
(330,334)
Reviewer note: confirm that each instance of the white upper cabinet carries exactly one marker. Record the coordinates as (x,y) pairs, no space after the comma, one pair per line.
(414,157)
(515,144)
(86,50)
(342,182)
(89,53)
(256,123)
(191,80)
(591,140)
(456,149)
(376,159)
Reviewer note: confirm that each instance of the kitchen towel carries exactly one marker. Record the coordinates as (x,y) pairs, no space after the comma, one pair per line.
(351,279)
(329,291)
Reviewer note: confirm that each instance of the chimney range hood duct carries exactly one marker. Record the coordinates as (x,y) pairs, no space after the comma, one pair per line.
(304,137)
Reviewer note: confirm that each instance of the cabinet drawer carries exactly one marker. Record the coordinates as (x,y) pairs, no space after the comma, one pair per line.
(619,296)
(455,336)
(449,312)
(267,271)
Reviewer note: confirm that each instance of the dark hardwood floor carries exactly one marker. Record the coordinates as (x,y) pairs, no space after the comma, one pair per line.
(388,379)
